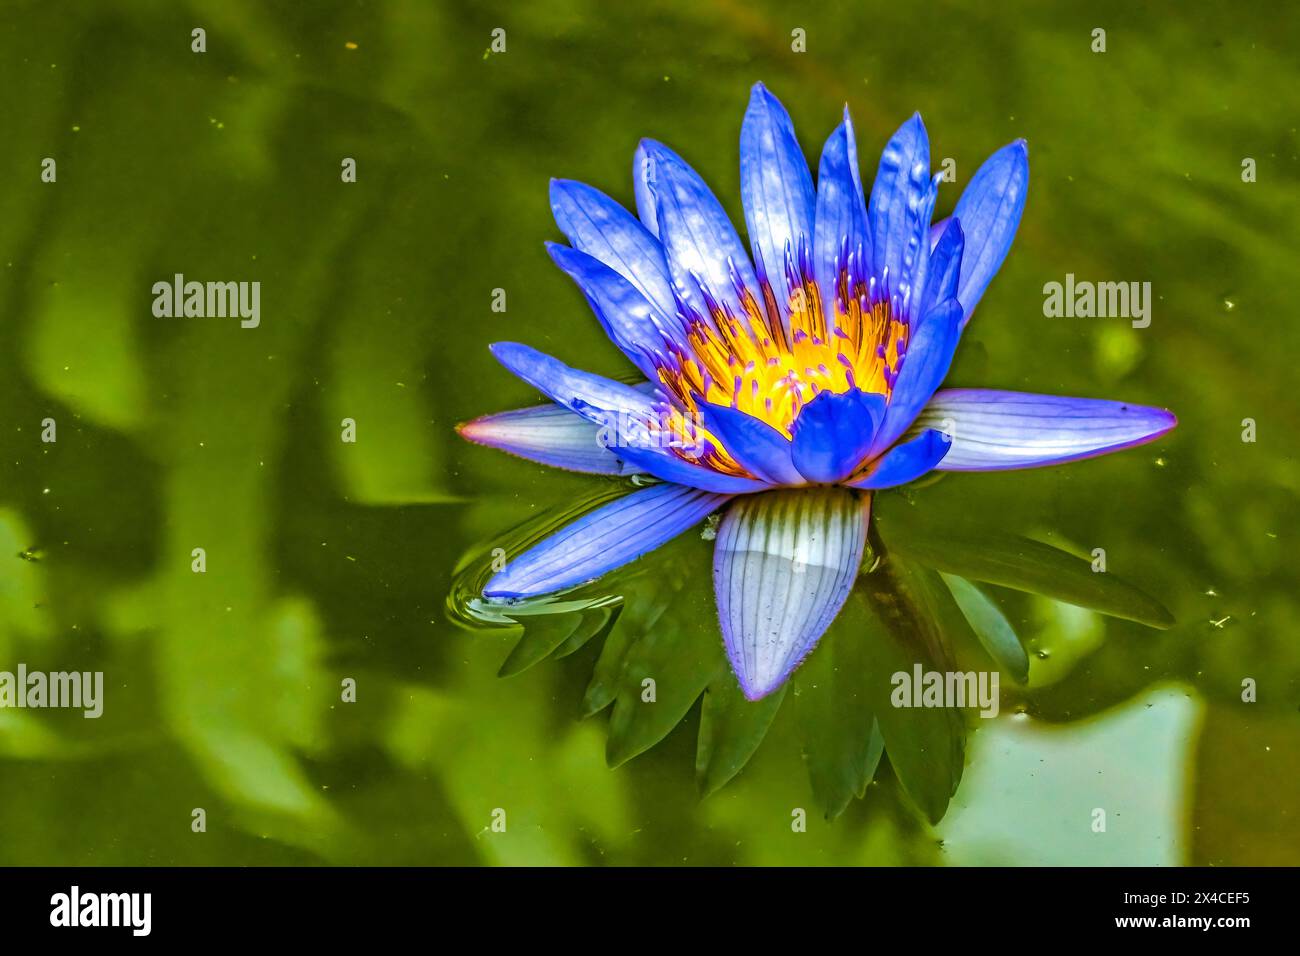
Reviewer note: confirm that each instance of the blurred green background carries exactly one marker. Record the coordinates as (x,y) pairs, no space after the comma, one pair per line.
(328,561)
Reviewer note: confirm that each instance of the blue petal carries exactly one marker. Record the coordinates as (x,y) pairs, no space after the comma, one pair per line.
(603,540)
(833,434)
(906,462)
(634,325)
(759,448)
(989,210)
(840,222)
(591,396)
(945,266)
(916,256)
(624,413)
(993,430)
(662,463)
(550,435)
(777,192)
(602,228)
(704,253)
(645,200)
(925,364)
(937,229)
(902,200)
(783,565)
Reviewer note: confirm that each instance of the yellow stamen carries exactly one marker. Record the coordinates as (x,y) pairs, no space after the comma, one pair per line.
(748,364)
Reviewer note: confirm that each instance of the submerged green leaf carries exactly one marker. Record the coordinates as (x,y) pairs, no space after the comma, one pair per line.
(991,626)
(1015,562)
(842,743)
(647,603)
(663,675)
(558,635)
(542,635)
(595,623)
(904,630)
(668,667)
(609,666)
(731,729)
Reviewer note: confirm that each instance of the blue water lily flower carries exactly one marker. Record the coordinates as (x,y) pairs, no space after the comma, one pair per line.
(785,388)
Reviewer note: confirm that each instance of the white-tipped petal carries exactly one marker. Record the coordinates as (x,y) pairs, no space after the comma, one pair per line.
(783,565)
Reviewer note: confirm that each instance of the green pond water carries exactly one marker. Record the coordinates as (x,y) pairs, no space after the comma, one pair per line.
(325,693)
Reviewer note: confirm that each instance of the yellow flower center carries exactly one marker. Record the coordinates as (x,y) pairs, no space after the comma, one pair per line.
(751,364)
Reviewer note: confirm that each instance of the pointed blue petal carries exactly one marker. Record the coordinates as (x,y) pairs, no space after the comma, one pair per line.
(833,434)
(945,266)
(925,365)
(602,228)
(776,190)
(625,415)
(662,463)
(645,200)
(757,446)
(603,540)
(840,223)
(993,430)
(550,435)
(989,210)
(632,323)
(783,565)
(902,199)
(704,253)
(916,255)
(906,462)
(937,230)
(591,396)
